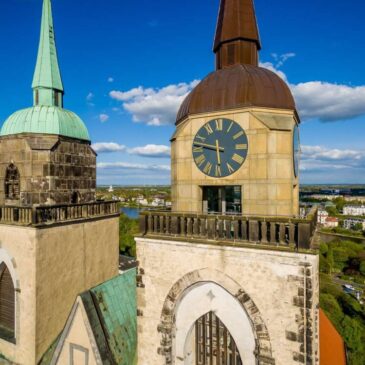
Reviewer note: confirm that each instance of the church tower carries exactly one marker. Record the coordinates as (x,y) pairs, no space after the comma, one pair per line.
(56,240)
(230,276)
(236,145)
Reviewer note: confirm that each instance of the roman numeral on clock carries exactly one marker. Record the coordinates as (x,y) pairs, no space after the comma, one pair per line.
(198,149)
(208,168)
(200,160)
(218,171)
(209,129)
(238,135)
(237,158)
(241,146)
(230,168)
(219,125)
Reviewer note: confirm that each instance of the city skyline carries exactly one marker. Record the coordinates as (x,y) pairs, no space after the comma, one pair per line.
(126,72)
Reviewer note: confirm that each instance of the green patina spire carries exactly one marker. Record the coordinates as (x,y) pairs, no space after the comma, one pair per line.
(47,81)
(47,116)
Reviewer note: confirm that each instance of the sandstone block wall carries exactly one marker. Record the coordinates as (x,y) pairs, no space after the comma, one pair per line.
(53,169)
(279,290)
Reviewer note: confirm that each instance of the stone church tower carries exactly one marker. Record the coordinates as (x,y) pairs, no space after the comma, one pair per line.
(230,276)
(56,241)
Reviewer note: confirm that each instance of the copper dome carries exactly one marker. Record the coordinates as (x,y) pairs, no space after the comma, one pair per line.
(236,87)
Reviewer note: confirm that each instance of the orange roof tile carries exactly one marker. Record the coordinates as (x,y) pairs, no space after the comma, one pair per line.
(332,346)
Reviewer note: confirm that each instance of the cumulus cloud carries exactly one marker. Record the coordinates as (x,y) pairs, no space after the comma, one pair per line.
(107,147)
(90,96)
(321,158)
(154,106)
(132,166)
(271,67)
(329,102)
(110,79)
(281,59)
(104,118)
(151,150)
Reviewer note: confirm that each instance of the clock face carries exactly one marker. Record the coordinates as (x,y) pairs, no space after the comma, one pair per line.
(220,148)
(296,144)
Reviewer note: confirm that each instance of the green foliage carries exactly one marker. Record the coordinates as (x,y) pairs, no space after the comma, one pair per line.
(128,229)
(323,248)
(362,268)
(344,311)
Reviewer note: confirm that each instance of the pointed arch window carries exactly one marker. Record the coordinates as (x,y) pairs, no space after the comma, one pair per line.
(12,183)
(7,304)
(214,345)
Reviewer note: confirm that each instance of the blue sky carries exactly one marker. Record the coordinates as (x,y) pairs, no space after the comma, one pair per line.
(127,65)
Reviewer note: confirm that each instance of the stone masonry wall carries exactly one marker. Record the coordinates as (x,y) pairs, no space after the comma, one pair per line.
(53,169)
(282,285)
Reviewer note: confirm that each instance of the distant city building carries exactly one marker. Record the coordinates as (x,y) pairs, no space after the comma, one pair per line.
(351,223)
(354,210)
(325,197)
(111,189)
(355,198)
(331,222)
(322,216)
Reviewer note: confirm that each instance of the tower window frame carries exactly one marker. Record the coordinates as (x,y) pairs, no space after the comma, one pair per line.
(7,305)
(12,183)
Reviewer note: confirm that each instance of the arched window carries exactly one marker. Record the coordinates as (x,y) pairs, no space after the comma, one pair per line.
(213,342)
(12,183)
(7,304)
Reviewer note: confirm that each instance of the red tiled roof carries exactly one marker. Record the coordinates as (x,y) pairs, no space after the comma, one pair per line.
(332,346)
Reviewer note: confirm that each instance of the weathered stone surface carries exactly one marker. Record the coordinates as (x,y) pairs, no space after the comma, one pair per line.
(53,169)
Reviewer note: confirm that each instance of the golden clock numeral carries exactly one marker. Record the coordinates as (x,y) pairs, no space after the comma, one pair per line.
(238,135)
(208,129)
(230,168)
(219,125)
(237,158)
(241,146)
(218,171)
(198,149)
(200,160)
(200,137)
(230,127)
(208,168)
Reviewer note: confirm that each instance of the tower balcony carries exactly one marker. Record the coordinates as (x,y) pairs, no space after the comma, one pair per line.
(56,214)
(281,233)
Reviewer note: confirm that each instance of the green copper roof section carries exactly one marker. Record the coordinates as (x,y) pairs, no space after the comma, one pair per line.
(46,120)
(47,72)
(112,312)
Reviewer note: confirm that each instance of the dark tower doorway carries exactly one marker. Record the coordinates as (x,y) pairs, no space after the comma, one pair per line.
(214,344)
(222,199)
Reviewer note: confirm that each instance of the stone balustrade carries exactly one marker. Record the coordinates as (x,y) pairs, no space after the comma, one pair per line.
(292,233)
(54,214)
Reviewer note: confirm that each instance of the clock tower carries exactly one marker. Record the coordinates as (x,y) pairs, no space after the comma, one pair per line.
(230,275)
(236,145)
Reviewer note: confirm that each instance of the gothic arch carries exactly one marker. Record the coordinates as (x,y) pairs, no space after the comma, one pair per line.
(9,289)
(263,351)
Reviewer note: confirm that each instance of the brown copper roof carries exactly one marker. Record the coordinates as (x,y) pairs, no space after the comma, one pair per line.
(237,37)
(332,346)
(237,87)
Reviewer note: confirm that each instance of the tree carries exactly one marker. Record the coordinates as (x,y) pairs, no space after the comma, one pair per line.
(362,268)
(128,229)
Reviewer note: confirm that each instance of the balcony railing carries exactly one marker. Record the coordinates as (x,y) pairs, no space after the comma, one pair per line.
(55,214)
(291,233)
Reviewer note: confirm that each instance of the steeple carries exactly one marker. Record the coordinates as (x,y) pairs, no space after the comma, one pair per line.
(47,82)
(237,39)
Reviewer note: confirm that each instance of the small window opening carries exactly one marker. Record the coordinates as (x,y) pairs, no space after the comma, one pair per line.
(7,305)
(12,183)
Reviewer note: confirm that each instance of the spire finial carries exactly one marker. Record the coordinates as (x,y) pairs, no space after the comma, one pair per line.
(47,81)
(237,39)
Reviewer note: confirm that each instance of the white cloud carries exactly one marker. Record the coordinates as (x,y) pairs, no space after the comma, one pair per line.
(106,147)
(281,59)
(271,67)
(132,166)
(104,118)
(329,102)
(154,106)
(90,96)
(319,158)
(110,79)
(151,150)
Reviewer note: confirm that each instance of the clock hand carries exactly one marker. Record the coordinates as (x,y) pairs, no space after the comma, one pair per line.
(218,152)
(209,146)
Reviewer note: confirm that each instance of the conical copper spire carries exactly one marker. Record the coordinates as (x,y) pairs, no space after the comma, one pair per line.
(237,39)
